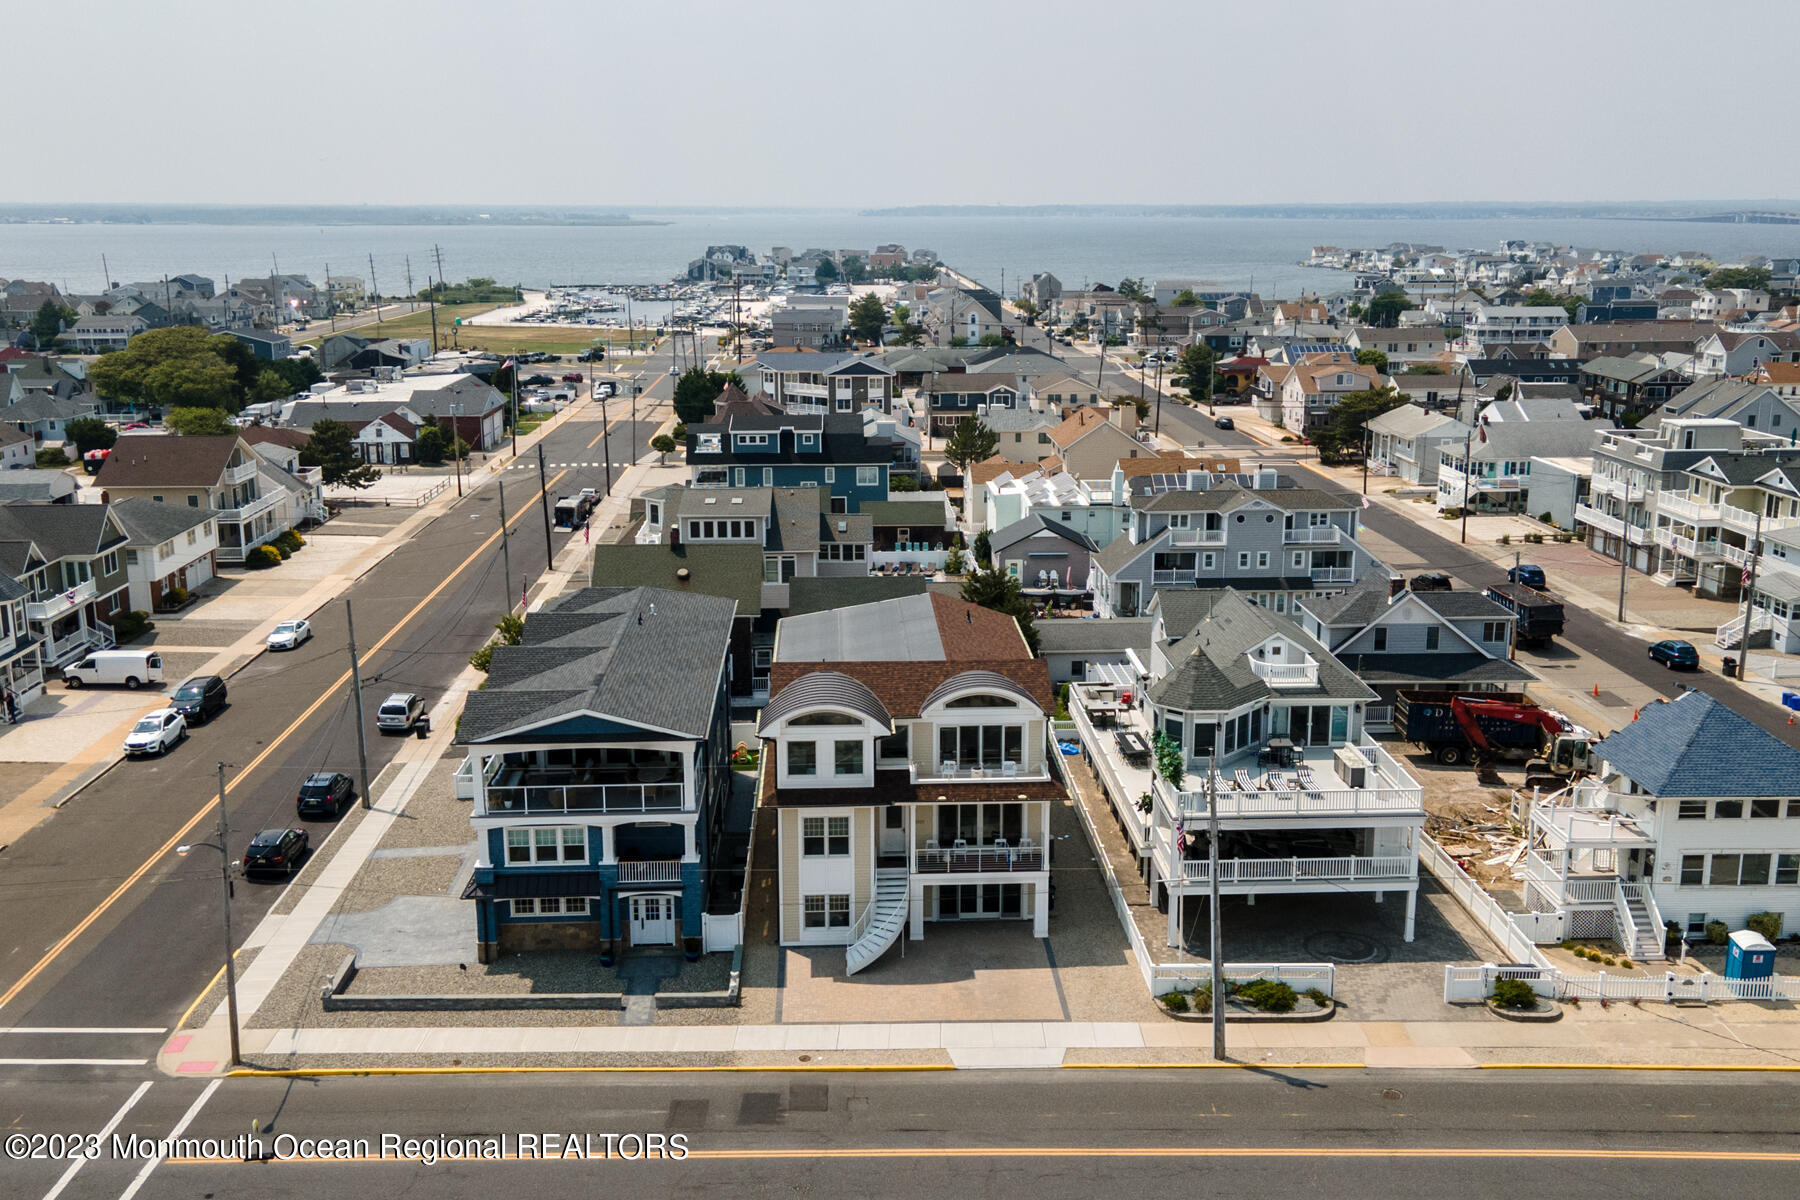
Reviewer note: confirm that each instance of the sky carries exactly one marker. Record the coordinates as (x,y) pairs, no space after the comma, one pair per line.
(856,104)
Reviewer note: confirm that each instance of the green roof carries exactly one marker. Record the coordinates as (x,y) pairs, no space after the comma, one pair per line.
(734,572)
(925,513)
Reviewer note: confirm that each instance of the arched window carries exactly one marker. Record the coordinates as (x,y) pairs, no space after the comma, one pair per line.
(982,700)
(825,718)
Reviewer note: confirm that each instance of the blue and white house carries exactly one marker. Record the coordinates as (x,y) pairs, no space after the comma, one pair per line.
(599,767)
(804,449)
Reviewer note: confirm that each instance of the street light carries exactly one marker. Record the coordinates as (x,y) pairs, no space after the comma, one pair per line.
(231,1003)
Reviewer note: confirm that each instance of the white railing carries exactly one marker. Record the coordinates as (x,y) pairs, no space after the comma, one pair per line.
(1172,577)
(657,870)
(1101,756)
(1378,716)
(1627,929)
(1304,674)
(1326,802)
(1587,514)
(1197,537)
(1468,984)
(1301,870)
(1334,574)
(1665,536)
(1313,533)
(587,797)
(1637,535)
(1745,521)
(82,641)
(933,559)
(242,473)
(1638,891)
(1736,555)
(53,606)
(1683,505)
(947,771)
(1694,547)
(1478,903)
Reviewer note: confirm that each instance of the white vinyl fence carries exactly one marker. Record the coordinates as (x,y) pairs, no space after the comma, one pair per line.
(1470,984)
(1496,920)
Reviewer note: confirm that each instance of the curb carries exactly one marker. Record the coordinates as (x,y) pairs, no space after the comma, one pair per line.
(331,1072)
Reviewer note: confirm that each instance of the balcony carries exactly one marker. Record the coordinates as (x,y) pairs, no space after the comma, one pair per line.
(242,473)
(1745,521)
(1196,537)
(1695,548)
(949,771)
(53,606)
(664,870)
(83,641)
(1334,574)
(1316,534)
(604,798)
(1587,514)
(1255,871)
(1172,578)
(972,859)
(1627,492)
(1314,789)
(817,390)
(1684,507)
(1279,675)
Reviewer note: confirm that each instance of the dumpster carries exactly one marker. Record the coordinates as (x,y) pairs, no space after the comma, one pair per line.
(1790,700)
(1750,956)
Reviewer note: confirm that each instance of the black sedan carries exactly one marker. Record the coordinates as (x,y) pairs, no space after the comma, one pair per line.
(1224,423)
(1677,656)
(325,794)
(276,851)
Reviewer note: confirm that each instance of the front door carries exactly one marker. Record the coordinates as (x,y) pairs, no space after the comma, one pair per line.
(893,830)
(653,920)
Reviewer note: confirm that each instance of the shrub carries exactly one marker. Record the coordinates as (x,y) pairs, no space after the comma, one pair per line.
(288,542)
(1317,997)
(1535,539)
(1514,993)
(1506,539)
(1546,518)
(51,457)
(1766,923)
(175,597)
(1203,998)
(483,658)
(1268,995)
(129,624)
(1175,1002)
(1718,932)
(262,558)
(282,550)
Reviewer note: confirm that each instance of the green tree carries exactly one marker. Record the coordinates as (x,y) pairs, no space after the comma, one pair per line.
(1426,368)
(1539,298)
(431,446)
(991,339)
(90,433)
(197,422)
(330,449)
(983,549)
(827,271)
(1027,309)
(1755,278)
(1185,298)
(1384,310)
(867,316)
(1000,592)
(901,313)
(181,366)
(958,342)
(664,445)
(1355,311)
(696,390)
(854,270)
(50,320)
(1196,366)
(1342,434)
(1372,357)
(297,374)
(970,441)
(910,334)
(1132,289)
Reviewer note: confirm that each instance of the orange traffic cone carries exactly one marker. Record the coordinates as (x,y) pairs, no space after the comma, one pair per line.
(1635,712)
(1790,720)
(1596,691)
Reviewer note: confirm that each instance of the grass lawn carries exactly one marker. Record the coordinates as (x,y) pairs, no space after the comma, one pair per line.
(505,339)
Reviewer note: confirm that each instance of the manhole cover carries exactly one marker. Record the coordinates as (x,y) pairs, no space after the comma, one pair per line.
(1335,945)
(1392,1094)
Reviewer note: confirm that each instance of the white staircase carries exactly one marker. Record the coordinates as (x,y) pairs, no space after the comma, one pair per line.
(882,921)
(1642,934)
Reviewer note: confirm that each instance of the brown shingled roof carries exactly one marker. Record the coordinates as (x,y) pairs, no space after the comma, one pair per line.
(161,460)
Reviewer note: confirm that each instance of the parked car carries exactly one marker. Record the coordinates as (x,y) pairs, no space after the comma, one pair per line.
(1431,581)
(155,733)
(1224,423)
(538,381)
(290,635)
(133,668)
(571,377)
(1529,574)
(1676,655)
(594,355)
(200,699)
(325,794)
(274,850)
(400,712)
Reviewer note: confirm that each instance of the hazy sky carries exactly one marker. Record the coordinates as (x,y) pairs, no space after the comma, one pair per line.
(814,102)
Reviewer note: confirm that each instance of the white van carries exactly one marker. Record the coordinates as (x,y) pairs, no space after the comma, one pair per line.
(133,668)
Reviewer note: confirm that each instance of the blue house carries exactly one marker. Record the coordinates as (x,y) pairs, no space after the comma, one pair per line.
(265,345)
(599,767)
(1598,311)
(826,450)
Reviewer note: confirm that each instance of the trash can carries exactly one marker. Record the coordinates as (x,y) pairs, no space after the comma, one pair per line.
(422,728)
(1750,956)
(1730,667)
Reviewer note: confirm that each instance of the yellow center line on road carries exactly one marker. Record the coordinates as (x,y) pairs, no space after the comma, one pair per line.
(144,869)
(1651,1154)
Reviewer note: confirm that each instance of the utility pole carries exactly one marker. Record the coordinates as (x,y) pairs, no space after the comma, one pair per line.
(606,444)
(505,548)
(1367,440)
(1216,938)
(431,296)
(374,286)
(515,405)
(1749,585)
(544,495)
(1158,429)
(1624,565)
(231,1004)
(412,300)
(456,445)
(106,271)
(330,304)
(362,738)
(1468,470)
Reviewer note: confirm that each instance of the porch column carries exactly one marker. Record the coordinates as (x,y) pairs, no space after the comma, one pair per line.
(1040,916)
(479,761)
(1412,907)
(916,915)
(1174,916)
(692,854)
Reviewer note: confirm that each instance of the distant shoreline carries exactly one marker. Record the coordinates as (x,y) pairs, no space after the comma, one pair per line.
(323,215)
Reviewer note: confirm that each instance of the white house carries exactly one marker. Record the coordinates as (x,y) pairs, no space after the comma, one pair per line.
(170,546)
(1405,442)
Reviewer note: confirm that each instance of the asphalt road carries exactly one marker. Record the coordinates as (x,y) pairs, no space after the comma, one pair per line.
(1050,1134)
(138,961)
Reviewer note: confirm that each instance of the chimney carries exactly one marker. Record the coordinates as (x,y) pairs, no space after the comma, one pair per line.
(1125,417)
(1266,479)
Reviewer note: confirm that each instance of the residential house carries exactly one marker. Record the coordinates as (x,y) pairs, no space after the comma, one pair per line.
(473,407)
(1315,385)
(1718,520)
(1450,641)
(1519,369)
(951,396)
(818,327)
(1435,392)
(21,661)
(907,758)
(1089,441)
(1634,472)
(1621,339)
(101,335)
(1408,344)
(1492,325)
(1274,543)
(1741,353)
(169,546)
(253,501)
(828,451)
(841,383)
(18,449)
(1271,732)
(1692,817)
(950,313)
(919,531)
(1783,377)
(265,344)
(1062,391)
(599,766)
(1022,434)
(1405,442)
(1077,650)
(1042,289)
(1044,555)
(1621,388)
(1597,312)
(1500,451)
(70,559)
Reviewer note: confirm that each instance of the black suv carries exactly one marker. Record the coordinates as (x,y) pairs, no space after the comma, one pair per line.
(200,699)
(326,794)
(274,850)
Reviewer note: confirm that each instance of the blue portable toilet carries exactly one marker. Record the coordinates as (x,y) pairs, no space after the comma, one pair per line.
(1750,956)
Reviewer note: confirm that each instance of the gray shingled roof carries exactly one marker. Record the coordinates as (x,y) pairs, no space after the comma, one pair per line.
(148,523)
(730,570)
(831,689)
(60,530)
(1211,669)
(1695,746)
(1462,605)
(1035,523)
(638,656)
(1083,636)
(1358,606)
(1435,668)
(1183,608)
(1121,552)
(818,593)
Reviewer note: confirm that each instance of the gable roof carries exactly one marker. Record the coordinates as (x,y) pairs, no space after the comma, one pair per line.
(1211,667)
(639,656)
(817,593)
(921,628)
(61,530)
(148,523)
(1695,746)
(1034,524)
(1082,422)
(163,460)
(729,571)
